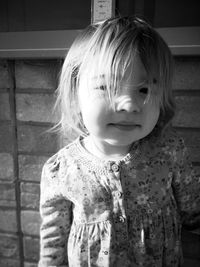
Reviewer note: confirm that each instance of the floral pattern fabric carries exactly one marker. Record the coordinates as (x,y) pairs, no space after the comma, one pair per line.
(118,213)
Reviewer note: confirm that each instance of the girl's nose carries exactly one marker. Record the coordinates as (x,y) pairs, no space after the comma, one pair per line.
(128,104)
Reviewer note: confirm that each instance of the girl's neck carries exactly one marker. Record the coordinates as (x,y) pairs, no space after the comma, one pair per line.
(104,150)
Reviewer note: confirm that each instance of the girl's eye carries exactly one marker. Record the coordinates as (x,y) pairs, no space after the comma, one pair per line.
(144,90)
(101,87)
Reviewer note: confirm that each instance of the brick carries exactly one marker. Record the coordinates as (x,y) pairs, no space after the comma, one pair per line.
(9,246)
(4,81)
(31,248)
(36,74)
(7,194)
(192,141)
(35,107)
(191,262)
(8,221)
(30,264)
(9,262)
(30,195)
(6,166)
(191,245)
(187,71)
(4,106)
(188,111)
(197,168)
(30,222)
(30,167)
(6,141)
(35,139)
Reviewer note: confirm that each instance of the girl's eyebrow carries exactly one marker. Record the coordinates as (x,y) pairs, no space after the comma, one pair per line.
(101,76)
(144,82)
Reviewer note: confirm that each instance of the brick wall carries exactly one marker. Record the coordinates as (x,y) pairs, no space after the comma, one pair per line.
(187,122)
(26,98)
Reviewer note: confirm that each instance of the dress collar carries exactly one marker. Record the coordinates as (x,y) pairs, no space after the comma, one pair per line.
(96,164)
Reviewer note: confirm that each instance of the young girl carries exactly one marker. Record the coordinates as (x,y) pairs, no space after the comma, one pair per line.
(117,195)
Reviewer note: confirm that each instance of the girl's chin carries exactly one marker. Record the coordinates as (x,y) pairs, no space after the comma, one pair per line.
(121,143)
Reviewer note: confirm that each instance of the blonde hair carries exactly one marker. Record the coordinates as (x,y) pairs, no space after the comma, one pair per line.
(108,50)
(65,107)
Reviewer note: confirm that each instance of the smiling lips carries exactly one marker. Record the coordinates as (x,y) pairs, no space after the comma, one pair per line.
(125,126)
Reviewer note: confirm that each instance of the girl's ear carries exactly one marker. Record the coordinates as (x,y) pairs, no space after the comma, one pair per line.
(81,124)
(77,104)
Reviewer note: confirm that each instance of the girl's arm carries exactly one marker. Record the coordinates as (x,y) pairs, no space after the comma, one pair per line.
(56,218)
(186,186)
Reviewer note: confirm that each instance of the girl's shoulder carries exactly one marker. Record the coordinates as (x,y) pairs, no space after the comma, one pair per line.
(173,138)
(167,139)
(59,160)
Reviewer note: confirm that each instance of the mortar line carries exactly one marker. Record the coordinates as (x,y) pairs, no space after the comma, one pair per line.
(11,69)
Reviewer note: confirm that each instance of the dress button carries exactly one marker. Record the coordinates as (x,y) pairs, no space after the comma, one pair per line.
(122,219)
(119,194)
(115,167)
(119,219)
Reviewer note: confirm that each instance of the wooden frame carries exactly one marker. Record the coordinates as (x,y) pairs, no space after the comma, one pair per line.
(182,40)
(55,44)
(36,44)
(102,9)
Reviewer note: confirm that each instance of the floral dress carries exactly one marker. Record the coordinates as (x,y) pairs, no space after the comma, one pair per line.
(123,213)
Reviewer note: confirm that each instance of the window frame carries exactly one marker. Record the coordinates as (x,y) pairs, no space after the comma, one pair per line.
(55,44)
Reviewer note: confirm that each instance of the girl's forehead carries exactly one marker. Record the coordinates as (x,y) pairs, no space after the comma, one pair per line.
(135,71)
(126,71)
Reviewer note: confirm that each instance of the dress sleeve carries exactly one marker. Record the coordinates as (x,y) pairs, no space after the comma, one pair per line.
(55,211)
(186,186)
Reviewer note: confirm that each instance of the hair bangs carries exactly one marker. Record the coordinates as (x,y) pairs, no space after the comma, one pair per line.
(157,60)
(107,59)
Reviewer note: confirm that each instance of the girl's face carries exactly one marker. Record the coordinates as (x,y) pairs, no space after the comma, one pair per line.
(114,130)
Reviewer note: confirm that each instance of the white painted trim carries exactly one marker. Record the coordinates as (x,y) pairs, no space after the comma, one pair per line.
(36,44)
(182,40)
(55,44)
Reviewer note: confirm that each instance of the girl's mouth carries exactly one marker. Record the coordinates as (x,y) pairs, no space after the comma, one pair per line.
(125,126)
